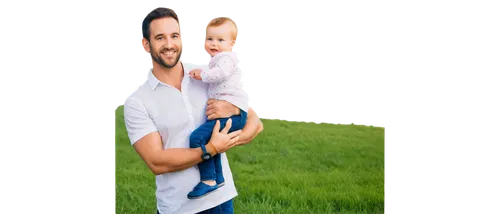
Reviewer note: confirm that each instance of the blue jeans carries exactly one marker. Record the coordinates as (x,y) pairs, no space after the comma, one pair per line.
(224,208)
(201,136)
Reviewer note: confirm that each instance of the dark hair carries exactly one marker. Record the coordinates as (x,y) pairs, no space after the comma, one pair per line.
(157,13)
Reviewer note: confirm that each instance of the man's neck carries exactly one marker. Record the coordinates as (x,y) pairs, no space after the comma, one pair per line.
(170,76)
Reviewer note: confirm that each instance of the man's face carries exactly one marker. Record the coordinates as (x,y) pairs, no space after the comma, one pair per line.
(165,42)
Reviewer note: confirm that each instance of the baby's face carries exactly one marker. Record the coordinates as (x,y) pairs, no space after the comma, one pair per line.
(219,39)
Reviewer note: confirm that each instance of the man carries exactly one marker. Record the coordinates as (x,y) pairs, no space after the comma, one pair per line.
(161,114)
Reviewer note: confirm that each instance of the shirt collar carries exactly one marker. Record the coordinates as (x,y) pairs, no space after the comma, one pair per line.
(154,82)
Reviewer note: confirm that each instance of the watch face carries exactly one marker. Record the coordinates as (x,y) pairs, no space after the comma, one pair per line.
(206,157)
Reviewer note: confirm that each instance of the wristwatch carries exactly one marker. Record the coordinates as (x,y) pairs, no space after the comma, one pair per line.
(205,155)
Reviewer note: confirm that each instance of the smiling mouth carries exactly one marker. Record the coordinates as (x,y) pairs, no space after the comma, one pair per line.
(168,53)
(214,50)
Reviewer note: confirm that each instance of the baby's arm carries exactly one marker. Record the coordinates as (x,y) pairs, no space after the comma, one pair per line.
(196,74)
(224,67)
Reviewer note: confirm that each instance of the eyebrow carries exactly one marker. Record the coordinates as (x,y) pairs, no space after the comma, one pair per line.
(162,34)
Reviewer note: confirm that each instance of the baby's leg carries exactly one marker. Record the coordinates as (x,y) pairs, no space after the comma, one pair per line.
(207,171)
(199,137)
(207,183)
(219,178)
(237,123)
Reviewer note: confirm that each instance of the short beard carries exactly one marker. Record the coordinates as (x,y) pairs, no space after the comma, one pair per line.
(156,57)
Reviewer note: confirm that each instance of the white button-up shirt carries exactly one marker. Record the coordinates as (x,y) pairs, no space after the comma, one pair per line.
(156,106)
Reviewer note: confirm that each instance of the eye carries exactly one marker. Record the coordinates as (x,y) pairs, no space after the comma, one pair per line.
(209,39)
(159,38)
(221,40)
(175,36)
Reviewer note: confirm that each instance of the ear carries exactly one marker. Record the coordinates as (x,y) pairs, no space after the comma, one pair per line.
(145,44)
(232,43)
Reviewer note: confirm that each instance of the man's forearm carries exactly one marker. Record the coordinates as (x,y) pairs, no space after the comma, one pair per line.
(252,128)
(247,138)
(236,111)
(176,159)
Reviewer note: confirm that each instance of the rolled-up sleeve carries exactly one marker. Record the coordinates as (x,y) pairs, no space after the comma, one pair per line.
(137,120)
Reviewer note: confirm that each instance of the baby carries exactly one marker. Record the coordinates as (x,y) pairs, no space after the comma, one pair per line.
(224,78)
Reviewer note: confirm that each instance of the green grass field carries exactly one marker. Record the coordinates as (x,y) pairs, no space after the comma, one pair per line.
(291,167)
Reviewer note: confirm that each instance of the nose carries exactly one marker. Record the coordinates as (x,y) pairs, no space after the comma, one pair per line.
(169,43)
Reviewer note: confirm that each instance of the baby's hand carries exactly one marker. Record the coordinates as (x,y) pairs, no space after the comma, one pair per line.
(195,74)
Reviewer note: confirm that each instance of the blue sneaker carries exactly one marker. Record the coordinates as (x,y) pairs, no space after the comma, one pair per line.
(201,190)
(220,179)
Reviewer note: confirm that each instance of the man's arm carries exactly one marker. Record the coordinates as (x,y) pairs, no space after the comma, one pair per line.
(222,109)
(147,142)
(252,128)
(170,160)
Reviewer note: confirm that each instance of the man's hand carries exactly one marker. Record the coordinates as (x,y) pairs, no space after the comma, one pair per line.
(220,109)
(222,141)
(195,74)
